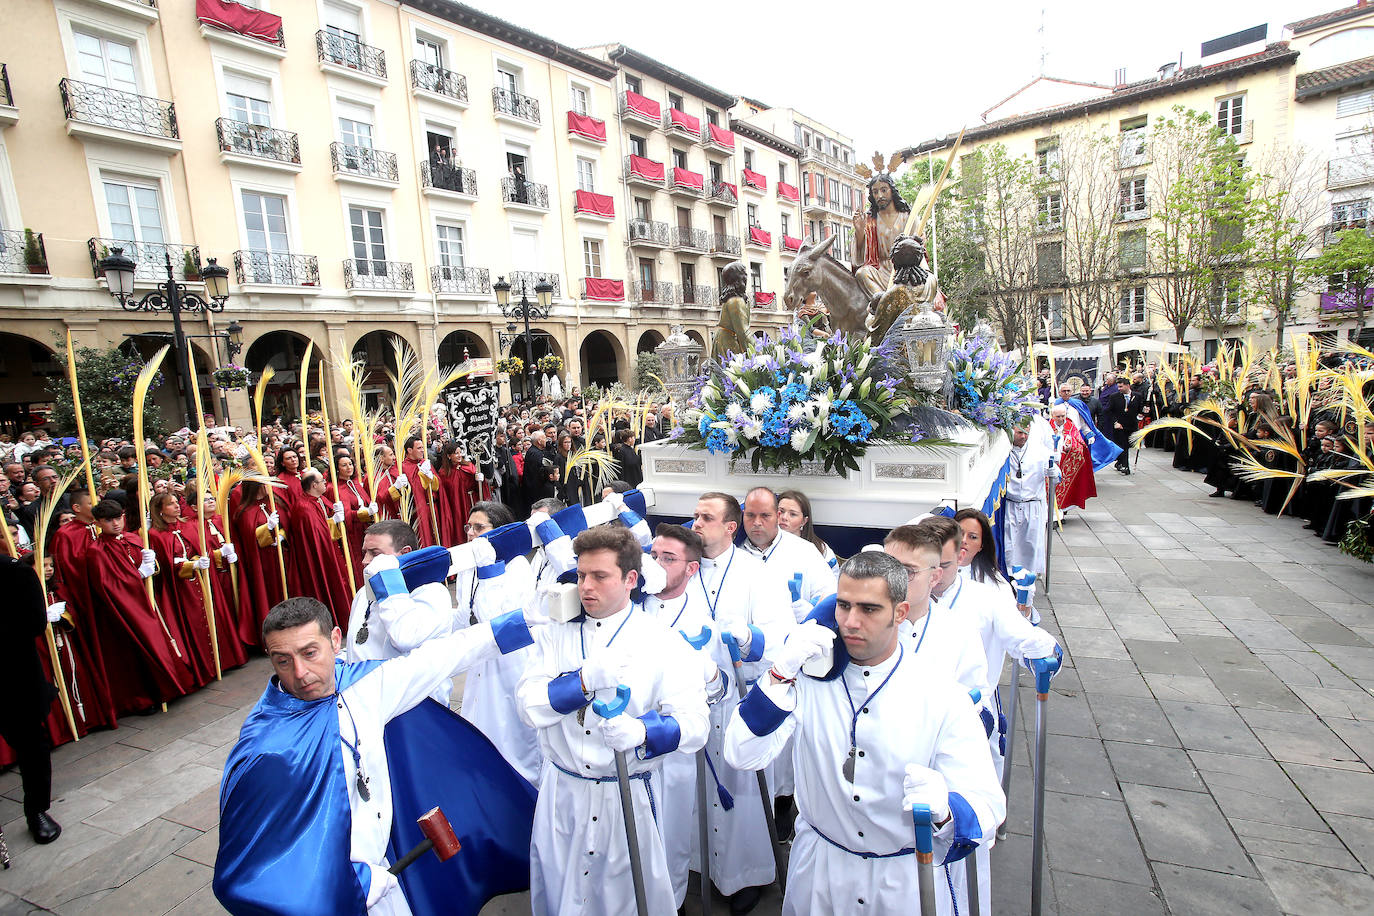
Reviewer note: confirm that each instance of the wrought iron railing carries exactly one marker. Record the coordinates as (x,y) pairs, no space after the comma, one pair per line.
(473,280)
(13,257)
(363,273)
(722,191)
(660,292)
(346,52)
(424,75)
(257,140)
(531,279)
(514,104)
(363,160)
(698,296)
(725,244)
(140,114)
(674,186)
(6,96)
(1330,235)
(448,177)
(647,230)
(150,258)
(693,239)
(276,268)
(527,193)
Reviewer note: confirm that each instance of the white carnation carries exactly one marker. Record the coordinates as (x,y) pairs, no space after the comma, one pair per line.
(760,403)
(799,438)
(733,410)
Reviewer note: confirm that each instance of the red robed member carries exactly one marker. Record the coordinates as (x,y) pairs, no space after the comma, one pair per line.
(458,490)
(359,512)
(255,530)
(423,482)
(289,467)
(316,567)
(178,587)
(226,573)
(1077,484)
(386,472)
(145,658)
(71,556)
(232,651)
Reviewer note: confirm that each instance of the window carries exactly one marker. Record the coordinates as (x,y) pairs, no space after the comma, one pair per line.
(1047,158)
(634,84)
(248,100)
(429,50)
(753,213)
(578,97)
(1051,215)
(369,241)
(105,61)
(586,174)
(782,171)
(679,159)
(689,283)
(646,276)
(508,81)
(718,225)
(1131,245)
(442,150)
(1132,196)
(1350,214)
(1134,147)
(643,210)
(517,163)
(524,248)
(786,224)
(1049,263)
(135,211)
(756,275)
(264,217)
(1051,308)
(1133,305)
(675,101)
(1225,296)
(355,125)
(638,146)
(717,173)
(591,257)
(712,117)
(1231,115)
(1351,104)
(835,191)
(749,159)
(449,239)
(344,26)
(684,218)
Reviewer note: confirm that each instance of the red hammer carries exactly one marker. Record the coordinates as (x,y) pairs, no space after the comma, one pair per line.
(439,836)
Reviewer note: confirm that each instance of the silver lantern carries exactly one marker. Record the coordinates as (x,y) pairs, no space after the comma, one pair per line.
(922,339)
(681,357)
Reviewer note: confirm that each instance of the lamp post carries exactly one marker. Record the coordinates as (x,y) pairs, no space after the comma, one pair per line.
(169,297)
(525,310)
(232,336)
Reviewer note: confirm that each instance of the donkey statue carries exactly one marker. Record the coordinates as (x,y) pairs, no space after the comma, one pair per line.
(816,271)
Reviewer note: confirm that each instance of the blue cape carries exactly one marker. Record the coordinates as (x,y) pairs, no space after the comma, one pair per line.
(1103,449)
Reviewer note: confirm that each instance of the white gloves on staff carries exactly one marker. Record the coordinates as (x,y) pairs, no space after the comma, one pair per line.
(808,641)
(147,563)
(401,482)
(379,563)
(273,521)
(924,786)
(1038,644)
(338,515)
(338,507)
(427,469)
(654,577)
(623,733)
(229,553)
(373,511)
(480,477)
(56,610)
(201,563)
(603,669)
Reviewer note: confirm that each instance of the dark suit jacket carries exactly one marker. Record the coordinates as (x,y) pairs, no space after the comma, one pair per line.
(26,691)
(1122,408)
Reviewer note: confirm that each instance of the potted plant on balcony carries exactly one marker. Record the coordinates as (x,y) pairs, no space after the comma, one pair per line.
(512,365)
(190,268)
(231,377)
(549,364)
(33,254)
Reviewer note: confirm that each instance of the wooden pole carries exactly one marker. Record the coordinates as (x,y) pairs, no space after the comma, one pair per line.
(266,376)
(203,471)
(334,479)
(145,378)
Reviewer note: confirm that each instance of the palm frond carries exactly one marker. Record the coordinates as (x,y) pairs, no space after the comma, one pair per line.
(42,525)
(588,458)
(141,385)
(260,394)
(1249,469)
(304,379)
(1337,475)
(1165,423)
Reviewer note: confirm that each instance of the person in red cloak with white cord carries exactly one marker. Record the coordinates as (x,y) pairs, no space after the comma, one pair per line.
(1077,484)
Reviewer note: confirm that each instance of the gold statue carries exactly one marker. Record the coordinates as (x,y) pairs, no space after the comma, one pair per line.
(733,330)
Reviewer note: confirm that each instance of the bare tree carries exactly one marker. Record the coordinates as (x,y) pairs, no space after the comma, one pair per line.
(1088,188)
(1287,223)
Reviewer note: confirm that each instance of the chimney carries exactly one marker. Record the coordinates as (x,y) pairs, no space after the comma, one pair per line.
(1120,78)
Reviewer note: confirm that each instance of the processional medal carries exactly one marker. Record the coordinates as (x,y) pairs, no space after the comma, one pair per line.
(848,768)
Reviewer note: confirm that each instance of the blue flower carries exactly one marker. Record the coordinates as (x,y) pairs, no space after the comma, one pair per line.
(703,426)
(717,442)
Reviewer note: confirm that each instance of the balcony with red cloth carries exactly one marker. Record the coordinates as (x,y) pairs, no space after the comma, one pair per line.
(242,20)
(759,238)
(680,122)
(791,243)
(585,127)
(723,193)
(639,170)
(635,107)
(714,137)
(788,192)
(686,183)
(754,181)
(590,205)
(765,300)
(599,289)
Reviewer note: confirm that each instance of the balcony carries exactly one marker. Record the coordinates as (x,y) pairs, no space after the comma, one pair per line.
(512,106)
(276,268)
(1331,234)
(586,129)
(685,183)
(529,279)
(257,144)
(723,193)
(1349,172)
(600,289)
(659,292)
(447,280)
(438,84)
(788,192)
(364,165)
(697,296)
(685,238)
(681,124)
(753,181)
(813,205)
(151,259)
(1245,135)
(1134,152)
(263,35)
(759,238)
(13,257)
(519,194)
(717,139)
(110,114)
(590,205)
(644,172)
(765,300)
(1343,300)
(143,10)
(444,180)
(648,233)
(637,108)
(350,58)
(379,276)
(8,112)
(790,243)
(1135,209)
(724,246)
(810,154)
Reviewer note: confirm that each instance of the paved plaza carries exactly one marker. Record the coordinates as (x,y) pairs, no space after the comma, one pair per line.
(1212,735)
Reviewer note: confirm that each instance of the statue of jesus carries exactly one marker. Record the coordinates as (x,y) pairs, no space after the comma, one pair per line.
(876,231)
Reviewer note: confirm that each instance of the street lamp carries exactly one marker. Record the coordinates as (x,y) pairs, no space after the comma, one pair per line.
(169,297)
(525,310)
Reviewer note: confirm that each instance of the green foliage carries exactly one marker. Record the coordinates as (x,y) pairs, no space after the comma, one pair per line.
(107,379)
(33,255)
(649,371)
(1347,269)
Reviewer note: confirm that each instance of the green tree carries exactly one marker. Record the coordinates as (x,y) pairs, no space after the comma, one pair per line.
(648,371)
(1346,268)
(954,256)
(107,380)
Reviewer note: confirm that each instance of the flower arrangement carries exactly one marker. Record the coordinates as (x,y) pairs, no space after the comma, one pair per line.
(990,388)
(511,365)
(781,404)
(127,375)
(231,377)
(549,364)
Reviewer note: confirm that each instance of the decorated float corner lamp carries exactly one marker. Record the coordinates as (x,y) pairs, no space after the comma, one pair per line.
(525,310)
(681,358)
(984,331)
(171,297)
(924,340)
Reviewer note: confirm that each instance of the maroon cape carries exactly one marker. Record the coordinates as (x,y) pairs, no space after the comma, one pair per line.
(457,492)
(260,574)
(71,554)
(354,497)
(385,504)
(315,565)
(181,597)
(232,652)
(422,499)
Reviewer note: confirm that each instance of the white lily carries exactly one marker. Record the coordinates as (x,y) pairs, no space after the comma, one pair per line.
(796,411)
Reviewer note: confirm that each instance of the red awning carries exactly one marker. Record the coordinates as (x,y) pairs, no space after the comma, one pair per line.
(687,179)
(603,290)
(761,236)
(684,120)
(647,107)
(646,168)
(587,126)
(764,298)
(234,17)
(785,190)
(721,135)
(755,180)
(599,204)
(791,243)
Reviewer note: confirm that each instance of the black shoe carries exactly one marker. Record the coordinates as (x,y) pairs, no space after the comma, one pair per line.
(744,901)
(785,817)
(44,828)
(1216,495)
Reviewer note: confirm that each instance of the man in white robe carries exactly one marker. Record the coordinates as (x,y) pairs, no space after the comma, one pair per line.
(1029,478)
(579,860)
(883,733)
(785,552)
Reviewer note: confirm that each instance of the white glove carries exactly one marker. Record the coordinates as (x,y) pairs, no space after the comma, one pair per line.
(808,641)
(382,883)
(273,521)
(480,477)
(148,564)
(653,577)
(709,669)
(229,553)
(56,610)
(201,563)
(1038,644)
(427,469)
(622,733)
(373,511)
(534,617)
(401,482)
(338,516)
(615,501)
(338,507)
(924,786)
(602,669)
(379,563)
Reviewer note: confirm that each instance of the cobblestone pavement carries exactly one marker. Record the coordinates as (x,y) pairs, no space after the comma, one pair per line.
(1211,736)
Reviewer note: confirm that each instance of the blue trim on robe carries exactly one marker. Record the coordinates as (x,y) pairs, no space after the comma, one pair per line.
(364,872)
(565,693)
(511,632)
(492,570)
(967,831)
(1103,449)
(510,541)
(388,582)
(755,645)
(425,566)
(548,531)
(661,735)
(761,714)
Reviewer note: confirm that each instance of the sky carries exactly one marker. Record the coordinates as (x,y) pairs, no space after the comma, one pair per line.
(900,73)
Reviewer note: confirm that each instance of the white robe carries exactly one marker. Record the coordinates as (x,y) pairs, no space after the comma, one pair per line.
(399,624)
(579,860)
(789,555)
(919,717)
(1023,536)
